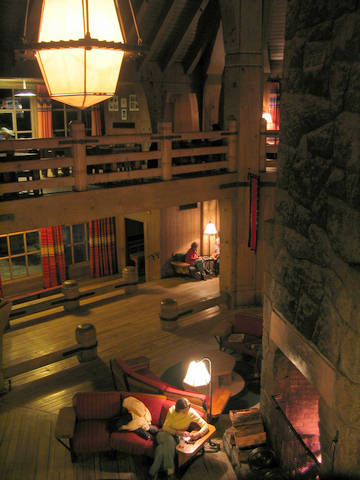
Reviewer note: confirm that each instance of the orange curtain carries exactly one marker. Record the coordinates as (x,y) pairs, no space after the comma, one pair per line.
(44,113)
(95,121)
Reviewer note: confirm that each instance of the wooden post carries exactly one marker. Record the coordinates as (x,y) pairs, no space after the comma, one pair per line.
(168,314)
(85,335)
(130,275)
(79,156)
(232,144)
(70,289)
(165,130)
(5,308)
(262,146)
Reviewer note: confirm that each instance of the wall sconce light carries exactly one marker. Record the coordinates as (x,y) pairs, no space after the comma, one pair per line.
(268,118)
(80,49)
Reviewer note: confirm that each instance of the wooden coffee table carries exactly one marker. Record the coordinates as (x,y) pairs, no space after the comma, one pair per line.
(185,451)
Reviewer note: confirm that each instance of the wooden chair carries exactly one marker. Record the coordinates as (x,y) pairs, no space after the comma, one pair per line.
(241,333)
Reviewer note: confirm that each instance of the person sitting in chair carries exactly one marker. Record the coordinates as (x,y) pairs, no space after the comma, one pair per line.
(178,419)
(216,256)
(193,259)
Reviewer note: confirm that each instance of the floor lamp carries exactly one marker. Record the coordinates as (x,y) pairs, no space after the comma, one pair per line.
(210,229)
(198,375)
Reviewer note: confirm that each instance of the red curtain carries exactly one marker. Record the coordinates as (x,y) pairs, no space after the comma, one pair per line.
(102,243)
(44,113)
(95,121)
(254,210)
(52,256)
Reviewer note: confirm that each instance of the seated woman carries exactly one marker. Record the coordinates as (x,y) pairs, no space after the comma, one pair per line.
(193,259)
(177,421)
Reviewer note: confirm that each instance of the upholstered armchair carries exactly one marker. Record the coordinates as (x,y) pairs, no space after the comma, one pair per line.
(134,375)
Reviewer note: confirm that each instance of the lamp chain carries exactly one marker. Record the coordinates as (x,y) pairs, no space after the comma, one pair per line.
(135,23)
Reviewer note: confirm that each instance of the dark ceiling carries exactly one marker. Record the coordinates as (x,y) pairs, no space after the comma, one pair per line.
(178,31)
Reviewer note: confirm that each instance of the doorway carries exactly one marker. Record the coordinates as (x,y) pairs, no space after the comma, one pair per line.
(135,246)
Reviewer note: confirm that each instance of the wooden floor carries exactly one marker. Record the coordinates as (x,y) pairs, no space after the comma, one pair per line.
(126,326)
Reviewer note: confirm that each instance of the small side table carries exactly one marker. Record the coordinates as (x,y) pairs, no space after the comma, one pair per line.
(185,451)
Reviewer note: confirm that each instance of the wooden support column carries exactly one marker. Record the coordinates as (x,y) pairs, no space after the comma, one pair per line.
(243,86)
(232,145)
(79,155)
(5,308)
(165,129)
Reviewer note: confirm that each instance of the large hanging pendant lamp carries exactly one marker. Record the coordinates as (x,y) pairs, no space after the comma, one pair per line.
(80,49)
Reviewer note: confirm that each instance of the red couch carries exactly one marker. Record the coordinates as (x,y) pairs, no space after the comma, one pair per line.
(83,428)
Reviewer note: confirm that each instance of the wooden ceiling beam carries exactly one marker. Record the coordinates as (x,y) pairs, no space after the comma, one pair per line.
(178,44)
(161,32)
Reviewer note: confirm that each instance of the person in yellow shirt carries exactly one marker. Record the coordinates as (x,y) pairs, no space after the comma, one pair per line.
(178,419)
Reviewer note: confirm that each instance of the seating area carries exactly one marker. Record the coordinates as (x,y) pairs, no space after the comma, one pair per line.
(83,428)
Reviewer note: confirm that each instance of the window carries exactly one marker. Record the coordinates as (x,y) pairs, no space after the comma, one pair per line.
(15,113)
(62,115)
(76,243)
(20,255)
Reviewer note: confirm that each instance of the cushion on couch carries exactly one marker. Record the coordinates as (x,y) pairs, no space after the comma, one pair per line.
(97,405)
(131,443)
(91,436)
(154,404)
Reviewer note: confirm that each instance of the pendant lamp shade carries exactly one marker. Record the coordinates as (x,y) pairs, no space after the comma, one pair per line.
(79,68)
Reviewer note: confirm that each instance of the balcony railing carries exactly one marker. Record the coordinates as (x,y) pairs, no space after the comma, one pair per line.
(33,167)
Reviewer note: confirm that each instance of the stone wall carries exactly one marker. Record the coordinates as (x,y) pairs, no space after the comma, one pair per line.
(313,272)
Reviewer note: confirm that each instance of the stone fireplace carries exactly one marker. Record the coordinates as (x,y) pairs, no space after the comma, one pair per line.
(311,343)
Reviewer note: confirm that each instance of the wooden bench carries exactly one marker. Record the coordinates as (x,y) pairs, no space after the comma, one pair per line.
(180,266)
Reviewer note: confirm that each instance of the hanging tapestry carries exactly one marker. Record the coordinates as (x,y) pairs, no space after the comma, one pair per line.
(52,256)
(102,242)
(254,210)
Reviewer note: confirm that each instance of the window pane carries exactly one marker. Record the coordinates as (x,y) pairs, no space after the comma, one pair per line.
(23,121)
(78,233)
(25,102)
(68,256)
(34,262)
(58,120)
(66,234)
(32,241)
(6,121)
(79,253)
(18,266)
(5,269)
(16,244)
(3,247)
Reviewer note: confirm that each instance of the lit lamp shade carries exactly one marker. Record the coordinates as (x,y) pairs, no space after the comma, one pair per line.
(210,229)
(80,76)
(197,374)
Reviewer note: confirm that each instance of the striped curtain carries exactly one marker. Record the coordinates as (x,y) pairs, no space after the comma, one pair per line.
(95,121)
(52,256)
(102,242)
(274,104)
(44,113)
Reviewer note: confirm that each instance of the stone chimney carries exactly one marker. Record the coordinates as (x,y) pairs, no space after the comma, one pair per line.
(312,298)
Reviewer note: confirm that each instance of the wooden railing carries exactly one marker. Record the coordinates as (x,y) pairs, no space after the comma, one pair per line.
(78,163)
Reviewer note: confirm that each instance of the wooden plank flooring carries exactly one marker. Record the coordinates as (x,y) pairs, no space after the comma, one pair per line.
(126,326)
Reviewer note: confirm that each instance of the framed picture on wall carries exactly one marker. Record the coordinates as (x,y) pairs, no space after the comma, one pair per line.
(133,103)
(123,102)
